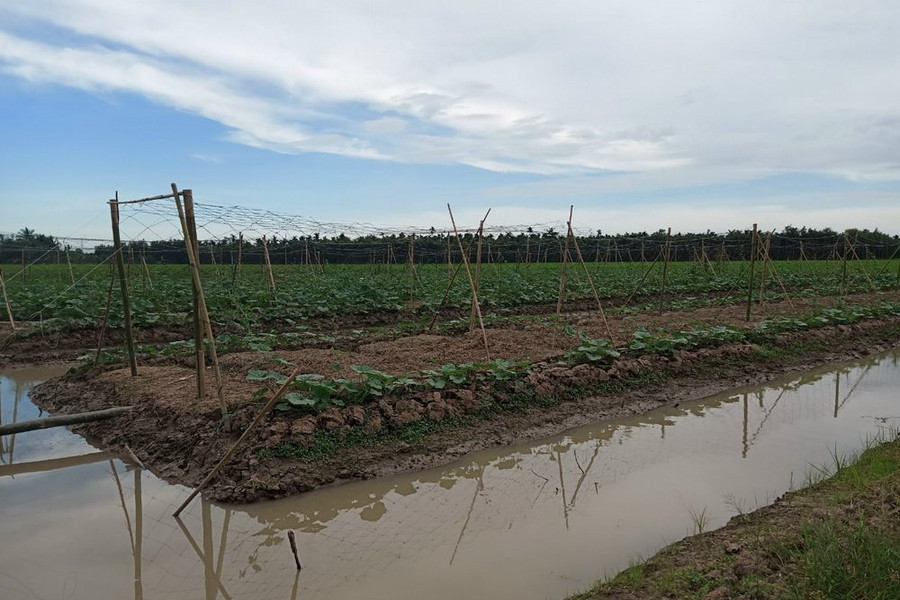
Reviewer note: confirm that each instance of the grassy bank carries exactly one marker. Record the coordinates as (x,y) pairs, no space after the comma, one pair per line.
(838,538)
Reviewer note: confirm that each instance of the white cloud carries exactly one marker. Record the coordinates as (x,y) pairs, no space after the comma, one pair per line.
(691,90)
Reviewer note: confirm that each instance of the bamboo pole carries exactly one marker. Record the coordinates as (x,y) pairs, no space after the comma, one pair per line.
(193,254)
(665,273)
(449,285)
(752,270)
(863,267)
(465,259)
(237,266)
(480,237)
(59,421)
(588,275)
(69,262)
(562,270)
(199,351)
(412,266)
(765,263)
(9,312)
(270,281)
(230,452)
(146,269)
(123,284)
(643,279)
(844,267)
(105,320)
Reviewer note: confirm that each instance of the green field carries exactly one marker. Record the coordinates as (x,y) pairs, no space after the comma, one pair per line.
(161,294)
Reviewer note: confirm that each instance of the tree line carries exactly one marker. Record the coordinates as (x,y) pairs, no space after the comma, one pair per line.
(790,243)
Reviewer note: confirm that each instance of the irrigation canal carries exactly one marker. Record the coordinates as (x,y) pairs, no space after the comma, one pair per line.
(537,521)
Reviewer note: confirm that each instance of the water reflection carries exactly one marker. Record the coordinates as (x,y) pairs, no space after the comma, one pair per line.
(535,521)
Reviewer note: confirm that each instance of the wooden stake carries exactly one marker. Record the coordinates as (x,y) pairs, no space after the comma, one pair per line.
(465,259)
(752,270)
(293,543)
(123,284)
(12,320)
(230,452)
(193,254)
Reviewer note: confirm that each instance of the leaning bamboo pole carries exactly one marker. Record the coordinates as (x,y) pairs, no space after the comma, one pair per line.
(230,452)
(588,275)
(465,259)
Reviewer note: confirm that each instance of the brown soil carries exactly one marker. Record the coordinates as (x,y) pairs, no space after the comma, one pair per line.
(181,439)
(351,336)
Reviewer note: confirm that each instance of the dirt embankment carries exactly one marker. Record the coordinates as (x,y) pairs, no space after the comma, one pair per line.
(180,439)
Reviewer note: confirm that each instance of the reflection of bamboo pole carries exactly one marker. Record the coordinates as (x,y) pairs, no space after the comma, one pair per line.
(199,553)
(11,445)
(223,539)
(51,464)
(471,283)
(746,417)
(208,570)
(479,485)
(259,417)
(562,487)
(837,392)
(138,534)
(115,474)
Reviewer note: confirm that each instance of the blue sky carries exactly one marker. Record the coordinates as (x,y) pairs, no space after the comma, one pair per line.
(700,116)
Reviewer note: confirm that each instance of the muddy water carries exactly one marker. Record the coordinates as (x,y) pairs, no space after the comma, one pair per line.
(537,521)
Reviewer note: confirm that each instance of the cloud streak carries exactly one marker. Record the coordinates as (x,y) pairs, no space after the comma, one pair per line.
(562,89)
